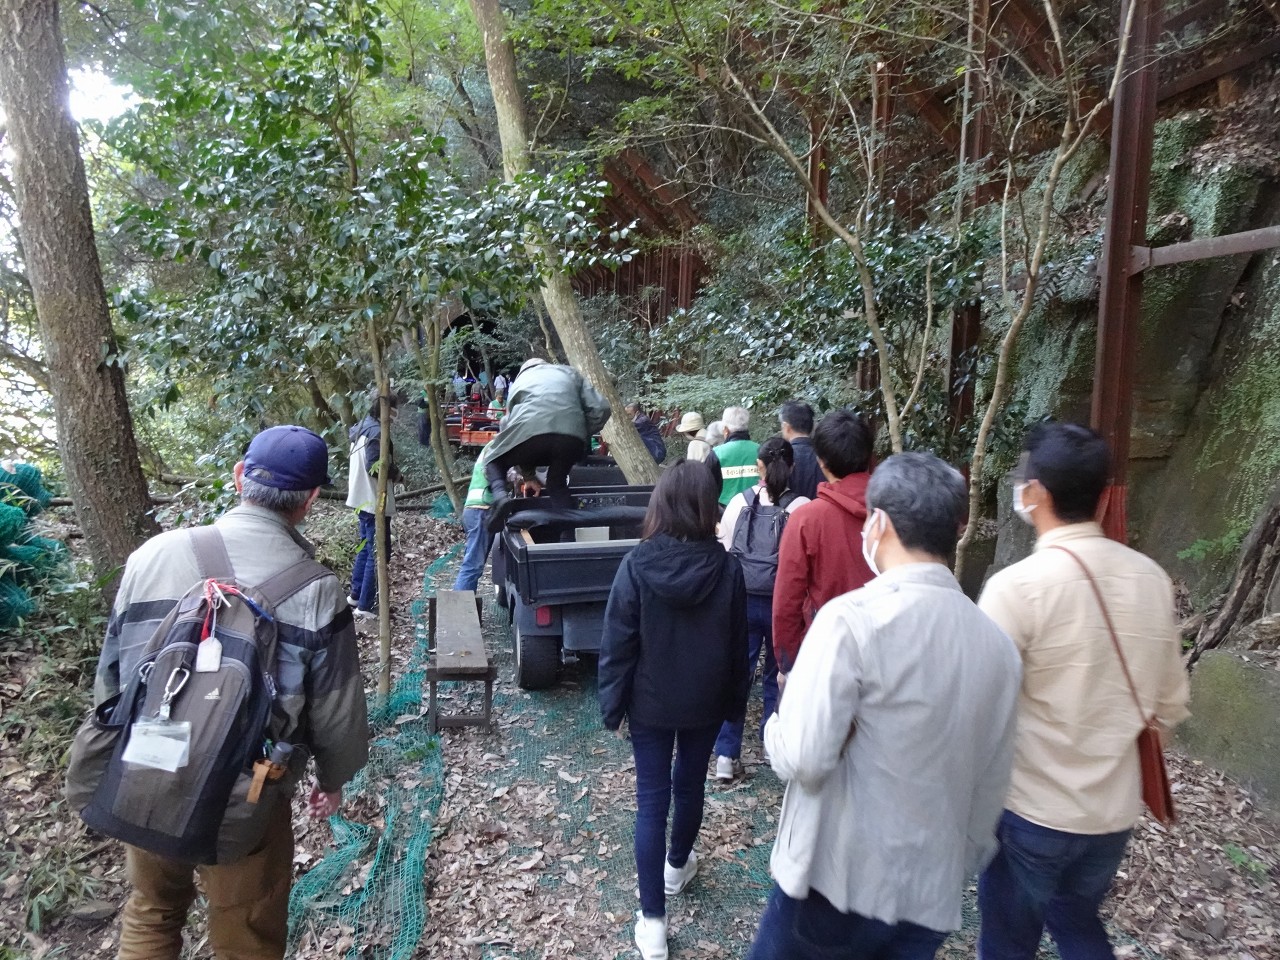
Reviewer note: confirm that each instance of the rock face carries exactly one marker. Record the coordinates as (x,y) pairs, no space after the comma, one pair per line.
(1235,719)
(1206,422)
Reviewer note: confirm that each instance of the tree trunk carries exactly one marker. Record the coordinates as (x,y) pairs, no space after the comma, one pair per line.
(557,291)
(381,544)
(429,367)
(1255,582)
(95,432)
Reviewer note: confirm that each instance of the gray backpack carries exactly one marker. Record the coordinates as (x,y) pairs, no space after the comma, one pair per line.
(202,812)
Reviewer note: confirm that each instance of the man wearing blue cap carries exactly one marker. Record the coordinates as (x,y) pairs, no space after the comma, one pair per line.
(319,706)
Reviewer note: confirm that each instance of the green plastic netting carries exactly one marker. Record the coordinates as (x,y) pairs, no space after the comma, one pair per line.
(542,735)
(12,520)
(26,560)
(23,486)
(369,889)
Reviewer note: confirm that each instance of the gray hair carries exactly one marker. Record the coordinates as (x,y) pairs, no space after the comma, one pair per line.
(925,499)
(736,418)
(285,502)
(715,433)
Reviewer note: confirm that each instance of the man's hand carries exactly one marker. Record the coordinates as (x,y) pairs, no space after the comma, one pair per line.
(321,805)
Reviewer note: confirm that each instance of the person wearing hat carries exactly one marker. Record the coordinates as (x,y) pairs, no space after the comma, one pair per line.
(691,426)
(552,411)
(362,496)
(319,706)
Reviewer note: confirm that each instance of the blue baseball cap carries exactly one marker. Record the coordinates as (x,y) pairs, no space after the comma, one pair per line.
(288,458)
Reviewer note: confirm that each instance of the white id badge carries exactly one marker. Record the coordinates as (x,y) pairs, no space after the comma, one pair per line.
(209,655)
(159,744)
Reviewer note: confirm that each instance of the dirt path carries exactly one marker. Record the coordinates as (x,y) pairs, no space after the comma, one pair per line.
(534,857)
(523,839)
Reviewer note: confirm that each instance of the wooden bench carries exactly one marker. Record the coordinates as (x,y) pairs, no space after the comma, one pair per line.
(457,653)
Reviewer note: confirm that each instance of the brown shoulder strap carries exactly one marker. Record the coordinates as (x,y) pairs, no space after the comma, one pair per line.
(211,553)
(1106,616)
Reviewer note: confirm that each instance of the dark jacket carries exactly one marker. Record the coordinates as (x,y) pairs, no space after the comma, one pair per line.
(674,651)
(805,473)
(652,437)
(820,558)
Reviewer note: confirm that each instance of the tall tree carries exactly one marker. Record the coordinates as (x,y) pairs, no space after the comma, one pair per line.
(95,432)
(557,289)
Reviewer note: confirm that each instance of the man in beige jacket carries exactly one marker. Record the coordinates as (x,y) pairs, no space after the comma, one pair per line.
(1076,789)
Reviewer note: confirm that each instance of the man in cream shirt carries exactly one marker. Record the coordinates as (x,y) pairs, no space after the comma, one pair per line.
(1076,788)
(895,734)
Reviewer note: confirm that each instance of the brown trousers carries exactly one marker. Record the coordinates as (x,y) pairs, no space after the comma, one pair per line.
(248,900)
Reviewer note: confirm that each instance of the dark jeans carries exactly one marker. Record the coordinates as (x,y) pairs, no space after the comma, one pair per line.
(657,781)
(812,929)
(759,634)
(364,575)
(1043,877)
(558,452)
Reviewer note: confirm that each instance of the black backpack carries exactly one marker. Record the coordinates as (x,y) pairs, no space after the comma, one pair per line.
(202,812)
(756,538)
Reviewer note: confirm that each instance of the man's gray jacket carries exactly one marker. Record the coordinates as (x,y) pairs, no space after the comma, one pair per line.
(549,399)
(320,693)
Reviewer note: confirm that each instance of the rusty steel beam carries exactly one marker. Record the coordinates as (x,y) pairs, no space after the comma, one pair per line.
(1212,71)
(1249,241)
(1191,13)
(644,172)
(1030,32)
(1120,300)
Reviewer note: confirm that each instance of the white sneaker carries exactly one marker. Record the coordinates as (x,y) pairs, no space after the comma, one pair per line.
(364,614)
(352,601)
(675,879)
(651,936)
(728,768)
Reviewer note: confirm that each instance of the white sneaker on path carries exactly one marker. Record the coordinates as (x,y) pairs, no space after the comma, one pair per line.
(675,879)
(651,936)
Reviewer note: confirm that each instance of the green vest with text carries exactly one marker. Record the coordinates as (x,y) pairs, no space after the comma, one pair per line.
(478,494)
(737,468)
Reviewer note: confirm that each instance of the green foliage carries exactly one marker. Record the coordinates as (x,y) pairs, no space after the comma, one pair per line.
(1219,548)
(301,228)
(1246,863)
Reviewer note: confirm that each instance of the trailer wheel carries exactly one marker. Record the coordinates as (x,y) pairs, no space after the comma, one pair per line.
(537,660)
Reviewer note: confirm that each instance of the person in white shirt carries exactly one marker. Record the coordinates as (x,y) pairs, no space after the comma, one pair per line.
(895,736)
(1076,788)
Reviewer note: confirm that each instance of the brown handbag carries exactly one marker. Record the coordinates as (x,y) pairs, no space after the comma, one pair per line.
(1155,777)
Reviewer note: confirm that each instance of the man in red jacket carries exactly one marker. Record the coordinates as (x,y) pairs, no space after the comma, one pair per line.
(820,556)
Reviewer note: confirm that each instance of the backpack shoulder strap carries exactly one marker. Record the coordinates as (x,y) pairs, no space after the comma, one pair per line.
(281,586)
(211,553)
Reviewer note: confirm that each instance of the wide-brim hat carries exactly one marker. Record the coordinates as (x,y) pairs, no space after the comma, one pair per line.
(690,423)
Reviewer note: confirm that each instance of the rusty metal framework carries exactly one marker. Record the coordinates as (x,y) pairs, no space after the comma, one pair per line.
(671,268)
(1125,257)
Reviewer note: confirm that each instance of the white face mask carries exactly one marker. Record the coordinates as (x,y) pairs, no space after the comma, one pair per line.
(1023,510)
(868,551)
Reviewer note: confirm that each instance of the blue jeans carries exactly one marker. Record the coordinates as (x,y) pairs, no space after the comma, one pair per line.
(657,781)
(364,575)
(1043,877)
(759,634)
(479,540)
(812,929)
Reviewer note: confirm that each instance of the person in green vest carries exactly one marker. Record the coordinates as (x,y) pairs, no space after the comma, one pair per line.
(479,540)
(734,461)
(498,405)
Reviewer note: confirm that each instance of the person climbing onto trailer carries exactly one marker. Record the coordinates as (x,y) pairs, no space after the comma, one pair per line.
(551,414)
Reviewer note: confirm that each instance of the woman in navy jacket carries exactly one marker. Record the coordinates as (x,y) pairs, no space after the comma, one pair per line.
(673,661)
